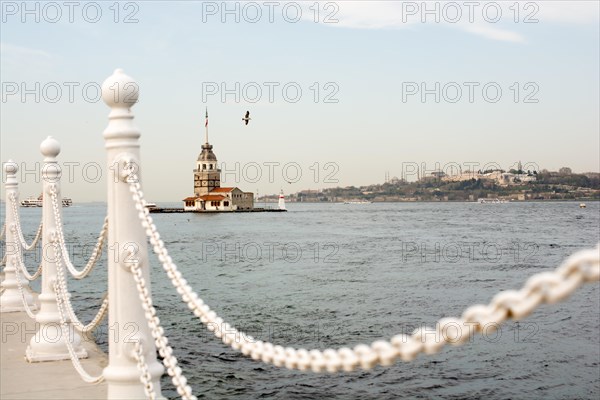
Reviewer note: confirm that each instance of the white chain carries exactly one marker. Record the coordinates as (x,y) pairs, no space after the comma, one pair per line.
(36,275)
(546,287)
(158,333)
(64,326)
(21,262)
(26,273)
(17,265)
(145,376)
(62,283)
(38,235)
(96,253)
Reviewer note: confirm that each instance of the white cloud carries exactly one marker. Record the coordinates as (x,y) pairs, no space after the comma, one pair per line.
(19,58)
(366,15)
(492,32)
(10,50)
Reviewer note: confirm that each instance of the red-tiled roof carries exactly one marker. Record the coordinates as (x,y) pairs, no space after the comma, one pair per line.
(190,199)
(214,197)
(222,190)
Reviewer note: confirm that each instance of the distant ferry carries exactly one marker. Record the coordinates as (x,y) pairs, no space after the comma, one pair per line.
(151,205)
(490,201)
(358,202)
(33,202)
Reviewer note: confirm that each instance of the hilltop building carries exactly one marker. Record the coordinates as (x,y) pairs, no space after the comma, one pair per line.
(208,193)
(498,176)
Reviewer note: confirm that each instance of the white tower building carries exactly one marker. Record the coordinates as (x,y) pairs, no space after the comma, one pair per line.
(281,201)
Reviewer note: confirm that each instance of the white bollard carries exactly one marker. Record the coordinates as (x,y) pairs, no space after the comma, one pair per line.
(11,299)
(45,346)
(126,317)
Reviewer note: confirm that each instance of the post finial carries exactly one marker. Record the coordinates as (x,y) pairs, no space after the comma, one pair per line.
(120,90)
(11,167)
(50,148)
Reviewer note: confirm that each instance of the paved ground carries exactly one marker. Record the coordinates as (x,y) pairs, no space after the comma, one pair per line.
(45,380)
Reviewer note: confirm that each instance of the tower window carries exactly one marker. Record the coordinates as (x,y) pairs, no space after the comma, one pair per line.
(203,166)
(211,166)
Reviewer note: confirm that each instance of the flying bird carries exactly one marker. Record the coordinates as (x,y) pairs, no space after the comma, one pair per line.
(247,117)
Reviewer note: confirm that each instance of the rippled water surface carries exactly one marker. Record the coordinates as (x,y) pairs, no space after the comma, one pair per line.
(332,275)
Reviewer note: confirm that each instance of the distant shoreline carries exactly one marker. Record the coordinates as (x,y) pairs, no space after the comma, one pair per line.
(451,201)
(373,202)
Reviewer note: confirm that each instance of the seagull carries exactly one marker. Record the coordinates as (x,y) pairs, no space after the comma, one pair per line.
(247,117)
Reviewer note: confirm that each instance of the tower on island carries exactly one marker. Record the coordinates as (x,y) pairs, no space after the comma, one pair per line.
(208,193)
(207,175)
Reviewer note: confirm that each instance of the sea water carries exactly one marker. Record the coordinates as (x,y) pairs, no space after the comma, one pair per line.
(337,275)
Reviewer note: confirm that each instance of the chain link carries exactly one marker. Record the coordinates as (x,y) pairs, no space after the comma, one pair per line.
(2,236)
(62,283)
(21,262)
(96,253)
(64,326)
(145,376)
(36,275)
(38,235)
(546,287)
(158,333)
(18,264)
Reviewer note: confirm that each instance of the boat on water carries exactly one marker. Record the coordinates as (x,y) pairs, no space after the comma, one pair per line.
(358,202)
(33,202)
(491,201)
(151,205)
(582,205)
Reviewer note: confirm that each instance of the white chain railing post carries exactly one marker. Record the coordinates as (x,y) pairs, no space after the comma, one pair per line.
(44,346)
(126,316)
(11,299)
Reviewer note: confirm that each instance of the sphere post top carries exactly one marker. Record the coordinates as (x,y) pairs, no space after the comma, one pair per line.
(120,90)
(11,167)
(50,148)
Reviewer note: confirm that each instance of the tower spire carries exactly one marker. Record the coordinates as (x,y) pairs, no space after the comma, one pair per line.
(206,127)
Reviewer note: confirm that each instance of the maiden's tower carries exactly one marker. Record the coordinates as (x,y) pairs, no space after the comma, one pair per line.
(208,193)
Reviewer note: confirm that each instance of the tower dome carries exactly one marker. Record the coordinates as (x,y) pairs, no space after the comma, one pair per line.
(207,154)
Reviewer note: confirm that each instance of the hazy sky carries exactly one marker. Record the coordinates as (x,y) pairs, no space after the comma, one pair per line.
(384,87)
